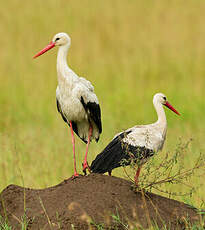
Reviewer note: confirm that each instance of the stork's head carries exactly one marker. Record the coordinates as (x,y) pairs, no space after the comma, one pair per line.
(60,39)
(160,98)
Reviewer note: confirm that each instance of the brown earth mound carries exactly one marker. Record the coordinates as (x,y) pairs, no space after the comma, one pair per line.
(97,197)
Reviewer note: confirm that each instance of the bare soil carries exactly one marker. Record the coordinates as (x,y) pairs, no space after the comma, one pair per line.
(93,198)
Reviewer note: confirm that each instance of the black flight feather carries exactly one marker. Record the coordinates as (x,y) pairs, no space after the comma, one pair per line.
(94,113)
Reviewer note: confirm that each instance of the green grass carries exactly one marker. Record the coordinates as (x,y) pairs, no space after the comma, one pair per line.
(116,221)
(129,50)
(6,226)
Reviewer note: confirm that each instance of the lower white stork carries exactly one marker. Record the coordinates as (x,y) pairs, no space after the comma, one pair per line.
(76,101)
(137,143)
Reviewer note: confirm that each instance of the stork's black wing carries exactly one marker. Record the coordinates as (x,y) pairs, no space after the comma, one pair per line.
(118,153)
(94,112)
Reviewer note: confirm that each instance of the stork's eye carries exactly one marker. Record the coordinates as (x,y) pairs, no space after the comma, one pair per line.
(165,98)
(57,39)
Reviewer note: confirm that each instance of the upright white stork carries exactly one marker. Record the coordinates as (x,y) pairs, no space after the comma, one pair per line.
(137,143)
(76,101)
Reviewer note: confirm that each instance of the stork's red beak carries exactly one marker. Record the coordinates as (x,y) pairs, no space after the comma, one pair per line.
(48,47)
(171,107)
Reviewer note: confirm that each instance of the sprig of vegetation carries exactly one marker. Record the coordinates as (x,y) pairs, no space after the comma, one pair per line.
(169,170)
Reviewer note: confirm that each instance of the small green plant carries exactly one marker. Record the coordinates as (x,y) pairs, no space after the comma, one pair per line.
(24,222)
(118,220)
(4,225)
(58,220)
(99,226)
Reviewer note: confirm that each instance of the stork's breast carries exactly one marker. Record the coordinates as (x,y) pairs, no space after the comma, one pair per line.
(73,109)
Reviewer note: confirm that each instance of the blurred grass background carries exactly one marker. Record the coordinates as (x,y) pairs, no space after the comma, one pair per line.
(128,49)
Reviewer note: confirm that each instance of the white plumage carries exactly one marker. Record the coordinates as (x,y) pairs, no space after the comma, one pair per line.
(73,109)
(146,137)
(139,142)
(76,101)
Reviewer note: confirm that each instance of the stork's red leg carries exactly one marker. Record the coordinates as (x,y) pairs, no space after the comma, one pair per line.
(85,163)
(73,142)
(137,175)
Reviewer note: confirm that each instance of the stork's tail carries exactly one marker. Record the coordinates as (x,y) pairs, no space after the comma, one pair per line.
(109,159)
(100,164)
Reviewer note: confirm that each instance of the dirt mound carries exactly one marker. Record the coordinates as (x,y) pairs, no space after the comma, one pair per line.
(97,197)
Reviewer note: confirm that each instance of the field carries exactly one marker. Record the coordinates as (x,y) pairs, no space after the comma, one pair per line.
(129,50)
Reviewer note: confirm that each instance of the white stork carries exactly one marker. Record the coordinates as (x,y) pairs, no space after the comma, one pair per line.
(76,101)
(137,143)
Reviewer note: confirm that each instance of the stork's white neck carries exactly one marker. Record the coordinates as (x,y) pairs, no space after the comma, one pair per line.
(63,69)
(162,121)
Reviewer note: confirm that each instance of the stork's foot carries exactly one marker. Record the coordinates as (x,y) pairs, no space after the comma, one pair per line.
(86,167)
(75,175)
